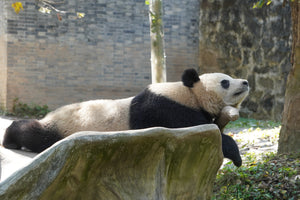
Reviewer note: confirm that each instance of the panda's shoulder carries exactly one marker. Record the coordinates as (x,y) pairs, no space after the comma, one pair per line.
(166,93)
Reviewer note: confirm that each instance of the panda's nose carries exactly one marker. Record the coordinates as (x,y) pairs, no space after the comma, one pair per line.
(245,83)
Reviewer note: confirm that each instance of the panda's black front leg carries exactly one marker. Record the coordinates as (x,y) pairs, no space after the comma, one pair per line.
(231,150)
(229,146)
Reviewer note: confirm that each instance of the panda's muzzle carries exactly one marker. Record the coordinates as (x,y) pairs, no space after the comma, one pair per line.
(239,93)
(244,88)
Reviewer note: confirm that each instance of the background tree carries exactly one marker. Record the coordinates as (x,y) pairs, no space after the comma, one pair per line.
(289,139)
(158,61)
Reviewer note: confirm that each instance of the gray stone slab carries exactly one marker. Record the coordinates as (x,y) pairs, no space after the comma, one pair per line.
(156,163)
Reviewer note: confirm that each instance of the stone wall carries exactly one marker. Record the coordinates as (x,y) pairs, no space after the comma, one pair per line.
(249,43)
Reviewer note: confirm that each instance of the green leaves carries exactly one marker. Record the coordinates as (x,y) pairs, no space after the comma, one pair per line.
(273,177)
(25,110)
(261,3)
(262,175)
(252,123)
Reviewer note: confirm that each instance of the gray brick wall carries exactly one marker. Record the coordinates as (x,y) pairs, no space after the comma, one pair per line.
(181,24)
(106,54)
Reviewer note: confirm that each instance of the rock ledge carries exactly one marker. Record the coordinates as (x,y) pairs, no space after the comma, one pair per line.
(155,163)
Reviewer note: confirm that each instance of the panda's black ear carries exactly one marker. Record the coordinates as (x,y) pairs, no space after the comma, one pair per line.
(189,77)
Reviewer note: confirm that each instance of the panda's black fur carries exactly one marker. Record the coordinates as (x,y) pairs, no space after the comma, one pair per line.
(31,135)
(189,77)
(147,109)
(231,150)
(165,113)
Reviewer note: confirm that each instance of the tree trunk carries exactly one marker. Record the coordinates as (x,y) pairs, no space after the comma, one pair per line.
(158,63)
(289,140)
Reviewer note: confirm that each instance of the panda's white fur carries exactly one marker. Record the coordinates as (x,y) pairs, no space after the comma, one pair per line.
(206,93)
(211,82)
(94,115)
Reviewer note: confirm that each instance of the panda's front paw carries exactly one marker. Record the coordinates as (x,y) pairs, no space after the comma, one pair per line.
(232,113)
(227,114)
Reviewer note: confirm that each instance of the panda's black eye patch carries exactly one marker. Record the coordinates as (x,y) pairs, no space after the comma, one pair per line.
(225,84)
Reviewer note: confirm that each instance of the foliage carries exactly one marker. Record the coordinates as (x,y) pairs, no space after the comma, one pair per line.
(252,123)
(25,110)
(3,112)
(17,7)
(263,175)
(274,177)
(46,7)
(261,3)
(155,16)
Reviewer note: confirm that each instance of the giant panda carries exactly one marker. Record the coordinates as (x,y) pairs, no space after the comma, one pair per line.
(194,101)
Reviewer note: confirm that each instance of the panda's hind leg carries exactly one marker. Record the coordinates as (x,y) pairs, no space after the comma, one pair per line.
(12,135)
(29,134)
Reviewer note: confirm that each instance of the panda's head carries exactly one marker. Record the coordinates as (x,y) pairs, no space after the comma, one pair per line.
(216,90)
